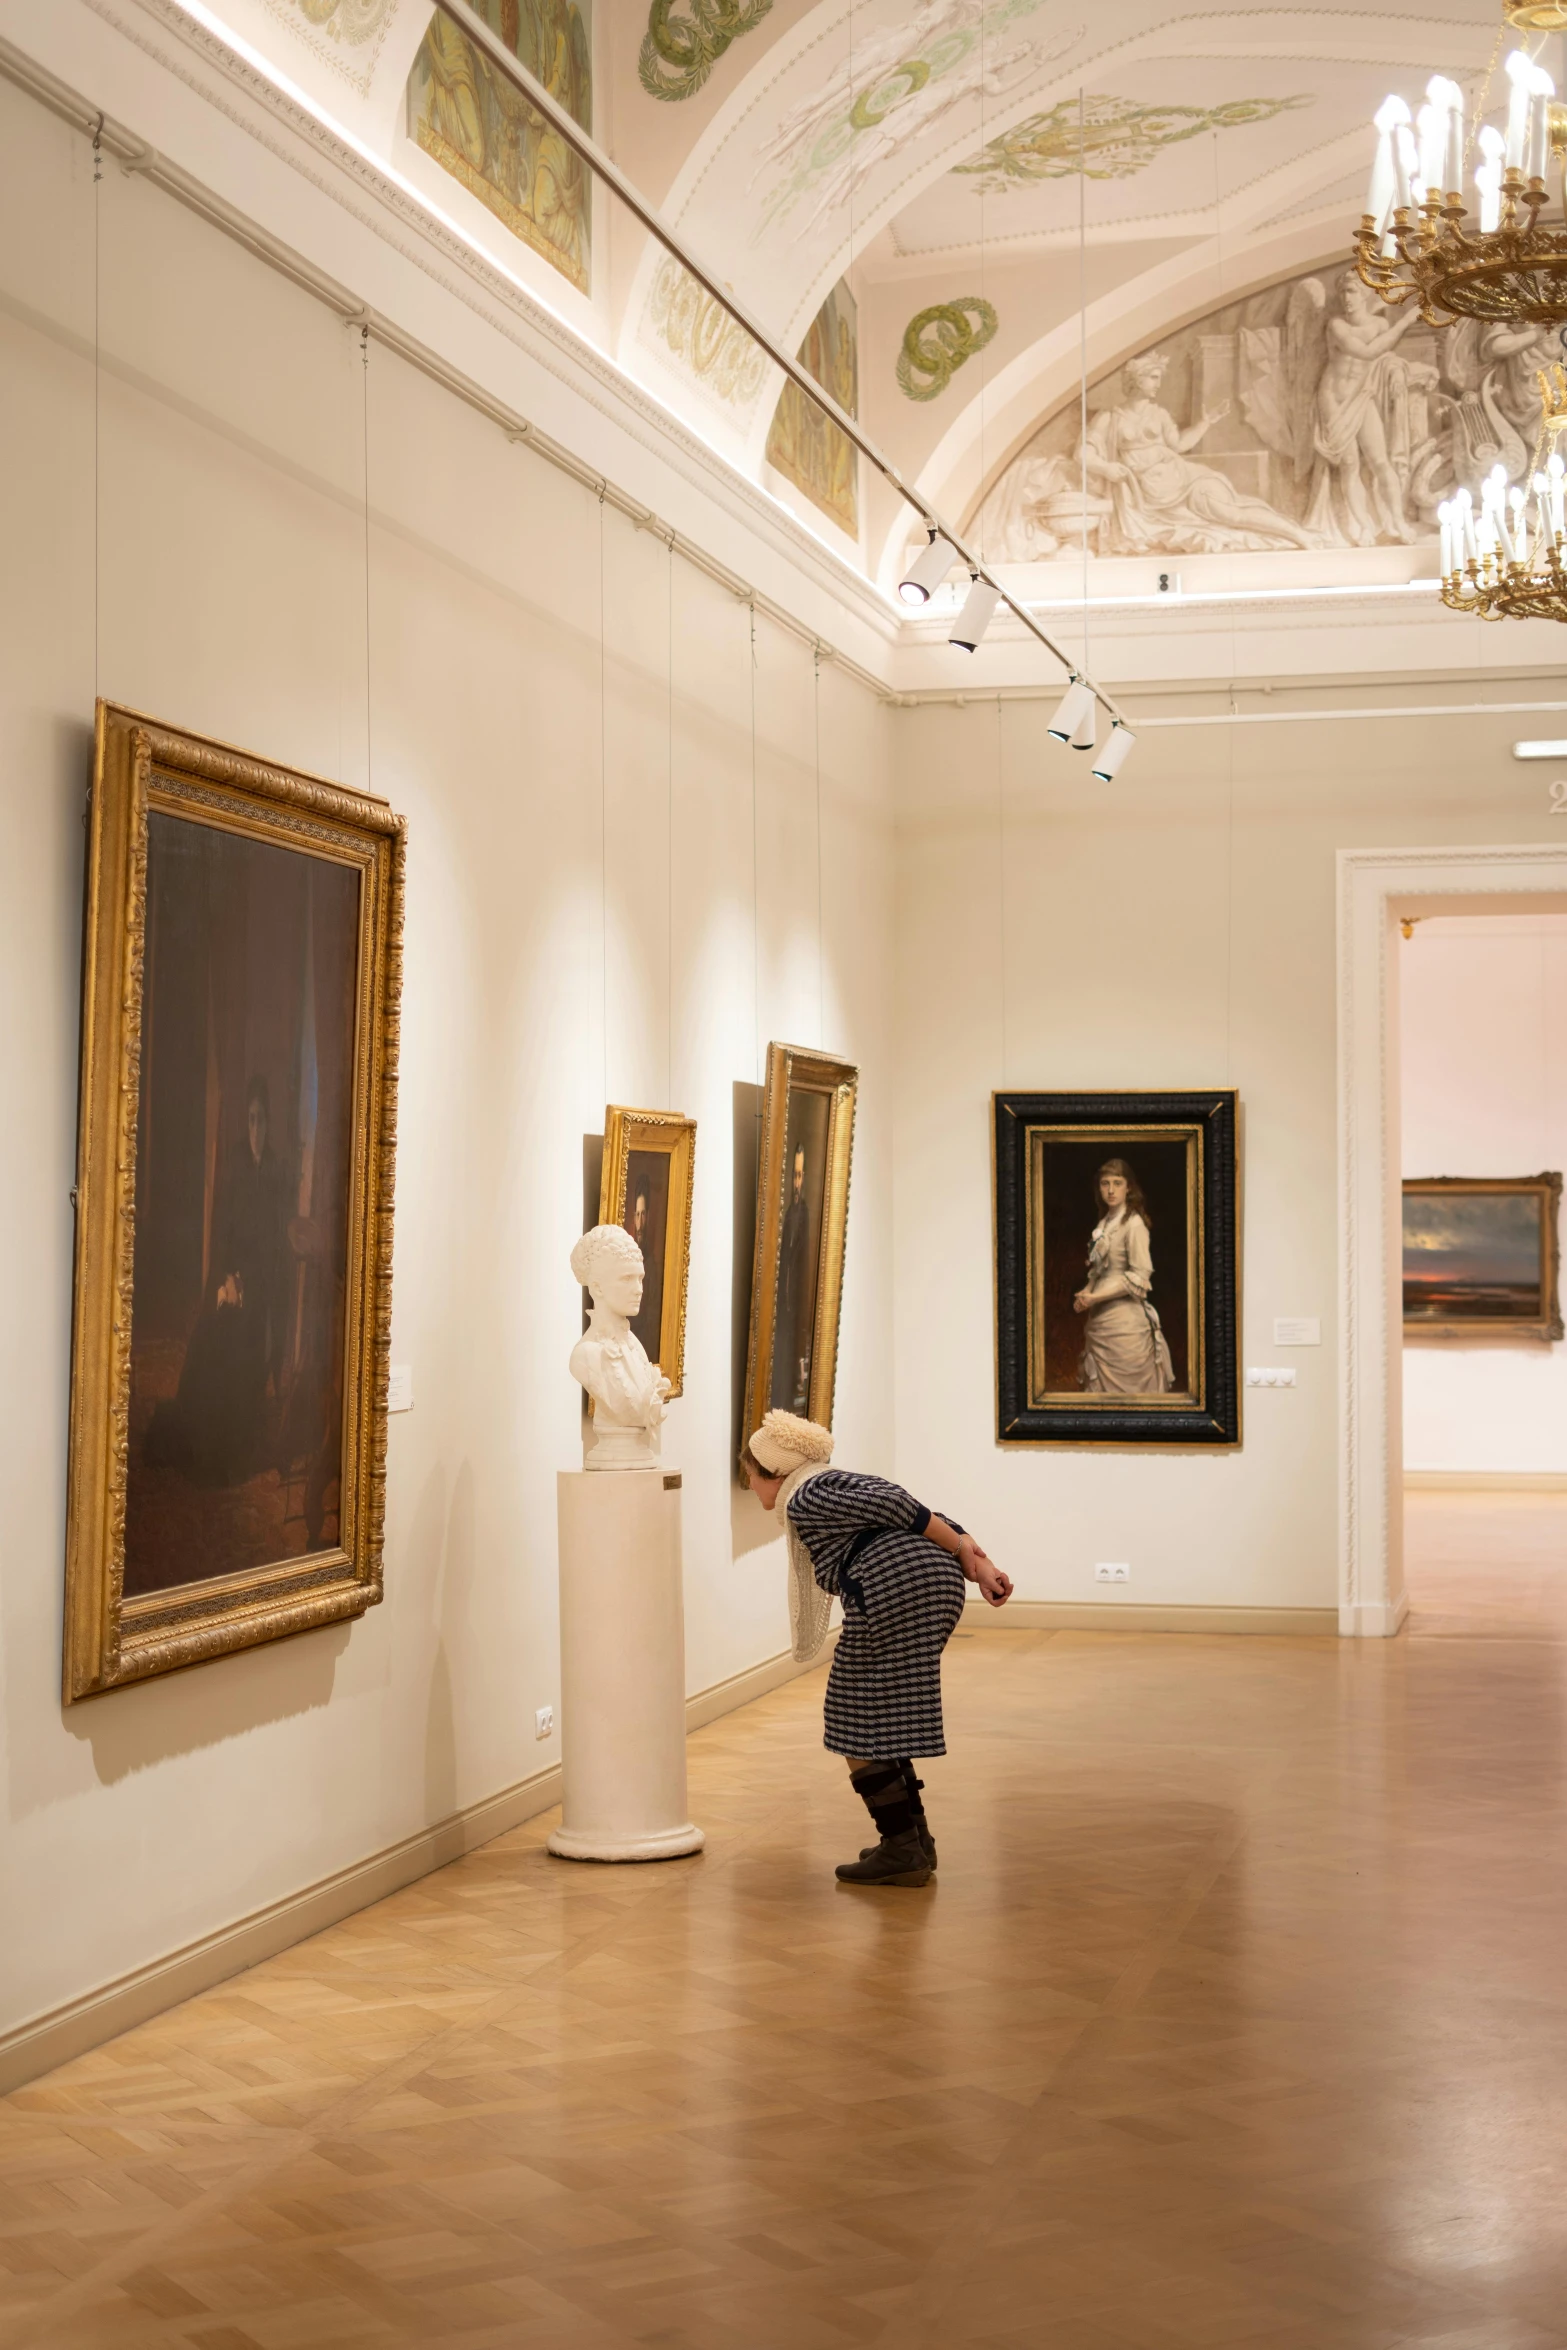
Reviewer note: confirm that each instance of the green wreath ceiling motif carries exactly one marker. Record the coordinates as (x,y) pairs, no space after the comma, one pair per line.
(678,54)
(1115,139)
(353,21)
(938,341)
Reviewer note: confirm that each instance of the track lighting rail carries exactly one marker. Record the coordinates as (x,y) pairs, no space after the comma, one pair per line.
(584,145)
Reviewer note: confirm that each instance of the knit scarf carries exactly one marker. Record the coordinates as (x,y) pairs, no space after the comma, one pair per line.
(810,1607)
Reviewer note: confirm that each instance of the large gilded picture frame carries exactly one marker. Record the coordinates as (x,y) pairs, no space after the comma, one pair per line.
(242,963)
(645,1185)
(802,1216)
(1117,1268)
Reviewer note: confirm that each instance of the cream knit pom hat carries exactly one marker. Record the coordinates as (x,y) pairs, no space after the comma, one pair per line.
(784,1442)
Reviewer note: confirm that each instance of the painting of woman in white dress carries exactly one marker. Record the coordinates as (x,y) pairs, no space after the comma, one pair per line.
(1117,1235)
(1125,1351)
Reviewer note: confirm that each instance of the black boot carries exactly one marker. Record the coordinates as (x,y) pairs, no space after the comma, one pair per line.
(921,1823)
(899,1857)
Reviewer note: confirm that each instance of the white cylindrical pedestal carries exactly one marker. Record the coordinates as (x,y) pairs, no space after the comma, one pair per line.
(622,1668)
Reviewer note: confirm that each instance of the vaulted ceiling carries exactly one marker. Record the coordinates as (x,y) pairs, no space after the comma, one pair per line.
(981,173)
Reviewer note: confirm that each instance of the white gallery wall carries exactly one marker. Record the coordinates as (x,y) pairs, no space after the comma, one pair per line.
(612,801)
(1484,1092)
(1176,931)
(642,840)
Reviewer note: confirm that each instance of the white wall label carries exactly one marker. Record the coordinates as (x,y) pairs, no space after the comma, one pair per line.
(1297,1330)
(400,1387)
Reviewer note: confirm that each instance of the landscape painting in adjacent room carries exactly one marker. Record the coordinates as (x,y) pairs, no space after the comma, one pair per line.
(242,1167)
(1305,416)
(803,444)
(1480,1257)
(469,118)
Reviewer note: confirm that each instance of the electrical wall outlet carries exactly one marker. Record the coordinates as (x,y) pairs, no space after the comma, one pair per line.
(544,1722)
(1270,1379)
(1112,1571)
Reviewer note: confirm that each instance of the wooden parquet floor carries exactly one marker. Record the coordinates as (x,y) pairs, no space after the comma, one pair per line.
(1238,2016)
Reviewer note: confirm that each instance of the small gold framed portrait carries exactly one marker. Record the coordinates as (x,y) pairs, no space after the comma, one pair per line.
(802,1217)
(1481,1257)
(646,1187)
(242,964)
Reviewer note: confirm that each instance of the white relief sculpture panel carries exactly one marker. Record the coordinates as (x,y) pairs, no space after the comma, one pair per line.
(1308,415)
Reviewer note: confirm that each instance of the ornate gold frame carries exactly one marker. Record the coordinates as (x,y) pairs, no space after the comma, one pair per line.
(1543,1328)
(140,766)
(667,1132)
(789,1067)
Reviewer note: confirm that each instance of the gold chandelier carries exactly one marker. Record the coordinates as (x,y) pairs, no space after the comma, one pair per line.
(1415,240)
(1505,562)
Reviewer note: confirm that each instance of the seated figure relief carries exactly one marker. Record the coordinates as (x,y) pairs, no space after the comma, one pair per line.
(1313,417)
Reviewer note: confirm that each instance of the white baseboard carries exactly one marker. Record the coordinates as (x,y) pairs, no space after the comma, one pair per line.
(53,2038)
(1373,1619)
(1485,1480)
(1121,1615)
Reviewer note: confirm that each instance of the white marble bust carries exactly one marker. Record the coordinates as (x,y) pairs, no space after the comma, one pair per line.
(610,1360)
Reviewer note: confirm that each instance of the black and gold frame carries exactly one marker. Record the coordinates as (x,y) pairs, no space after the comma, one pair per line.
(241,976)
(1162,1368)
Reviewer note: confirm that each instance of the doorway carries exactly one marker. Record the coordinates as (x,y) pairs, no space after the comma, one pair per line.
(1379,891)
(1483,1123)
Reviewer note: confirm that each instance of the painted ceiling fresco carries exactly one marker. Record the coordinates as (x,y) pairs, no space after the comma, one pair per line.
(875,178)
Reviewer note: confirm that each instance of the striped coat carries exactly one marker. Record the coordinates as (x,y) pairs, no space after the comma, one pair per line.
(902,1597)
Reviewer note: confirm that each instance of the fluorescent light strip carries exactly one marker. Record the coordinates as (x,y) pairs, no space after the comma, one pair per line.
(1540,750)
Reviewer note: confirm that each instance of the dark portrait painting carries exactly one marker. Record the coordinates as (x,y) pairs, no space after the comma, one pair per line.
(1116,1268)
(646,1218)
(243,1139)
(799,1249)
(242,967)
(802,1210)
(1480,1257)
(645,1182)
(1069,1207)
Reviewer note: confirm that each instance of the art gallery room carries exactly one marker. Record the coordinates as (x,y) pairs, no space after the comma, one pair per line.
(783,915)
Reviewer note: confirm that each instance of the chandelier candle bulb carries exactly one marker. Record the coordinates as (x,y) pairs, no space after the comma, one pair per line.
(1431,125)
(1390,118)
(1520,73)
(1448,99)
(1537,152)
(1406,165)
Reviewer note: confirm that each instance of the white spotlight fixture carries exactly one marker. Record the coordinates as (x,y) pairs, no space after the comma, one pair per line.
(979,607)
(927,572)
(1087,722)
(1067,721)
(1119,744)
